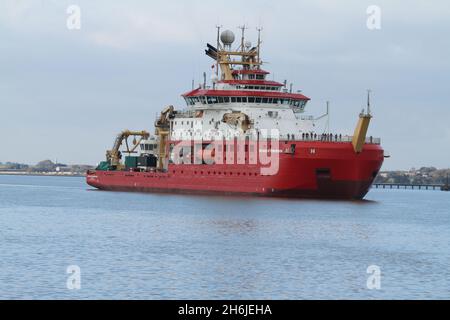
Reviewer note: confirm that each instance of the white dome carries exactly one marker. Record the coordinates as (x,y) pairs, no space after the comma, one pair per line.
(227,37)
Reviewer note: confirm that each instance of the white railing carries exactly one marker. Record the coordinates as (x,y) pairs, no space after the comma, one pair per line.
(327,138)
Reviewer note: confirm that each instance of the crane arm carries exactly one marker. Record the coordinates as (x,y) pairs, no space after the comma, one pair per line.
(112,156)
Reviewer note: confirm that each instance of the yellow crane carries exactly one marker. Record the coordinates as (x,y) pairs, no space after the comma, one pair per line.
(113,156)
(162,125)
(359,137)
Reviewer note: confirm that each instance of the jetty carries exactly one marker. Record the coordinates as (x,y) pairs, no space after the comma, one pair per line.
(442,187)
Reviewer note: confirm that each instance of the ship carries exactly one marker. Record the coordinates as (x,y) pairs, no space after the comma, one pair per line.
(241,133)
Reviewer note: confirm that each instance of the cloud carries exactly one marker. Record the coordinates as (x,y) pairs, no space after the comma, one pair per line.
(141,29)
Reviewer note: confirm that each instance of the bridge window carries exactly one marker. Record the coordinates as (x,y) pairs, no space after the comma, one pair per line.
(295,104)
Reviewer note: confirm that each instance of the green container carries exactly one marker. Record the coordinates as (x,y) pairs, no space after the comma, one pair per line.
(103,166)
(131,162)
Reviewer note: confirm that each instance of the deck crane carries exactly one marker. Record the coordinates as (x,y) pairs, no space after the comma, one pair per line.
(162,130)
(113,156)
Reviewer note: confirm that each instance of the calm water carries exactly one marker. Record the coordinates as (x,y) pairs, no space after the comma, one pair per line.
(148,246)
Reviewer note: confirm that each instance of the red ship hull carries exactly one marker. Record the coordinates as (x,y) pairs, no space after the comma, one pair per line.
(316,170)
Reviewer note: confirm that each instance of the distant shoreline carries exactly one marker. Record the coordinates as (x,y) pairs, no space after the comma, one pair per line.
(36,174)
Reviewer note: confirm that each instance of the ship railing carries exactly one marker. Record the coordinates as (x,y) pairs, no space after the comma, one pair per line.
(338,138)
(180,114)
(186,114)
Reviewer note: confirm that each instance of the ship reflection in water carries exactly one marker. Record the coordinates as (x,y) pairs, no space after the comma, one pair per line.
(158,246)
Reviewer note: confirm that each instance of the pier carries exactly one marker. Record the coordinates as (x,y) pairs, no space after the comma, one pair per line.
(442,187)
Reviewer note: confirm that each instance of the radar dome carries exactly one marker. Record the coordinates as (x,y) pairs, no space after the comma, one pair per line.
(227,37)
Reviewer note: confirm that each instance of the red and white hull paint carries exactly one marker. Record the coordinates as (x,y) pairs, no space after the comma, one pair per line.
(316,170)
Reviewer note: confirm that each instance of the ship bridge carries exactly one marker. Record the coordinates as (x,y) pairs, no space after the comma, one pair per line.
(239,81)
(240,86)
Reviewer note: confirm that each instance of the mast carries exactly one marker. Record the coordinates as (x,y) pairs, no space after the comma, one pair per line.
(259,29)
(223,54)
(243,28)
(218,48)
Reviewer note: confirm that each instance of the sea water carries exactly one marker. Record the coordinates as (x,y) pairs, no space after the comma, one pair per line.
(61,239)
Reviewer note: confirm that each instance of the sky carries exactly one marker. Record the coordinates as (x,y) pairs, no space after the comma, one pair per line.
(65,93)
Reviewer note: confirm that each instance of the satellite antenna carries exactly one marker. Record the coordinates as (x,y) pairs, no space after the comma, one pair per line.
(227,37)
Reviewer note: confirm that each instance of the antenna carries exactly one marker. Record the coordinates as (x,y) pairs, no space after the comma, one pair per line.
(259,29)
(368,101)
(204,80)
(243,28)
(327,114)
(328,117)
(218,48)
